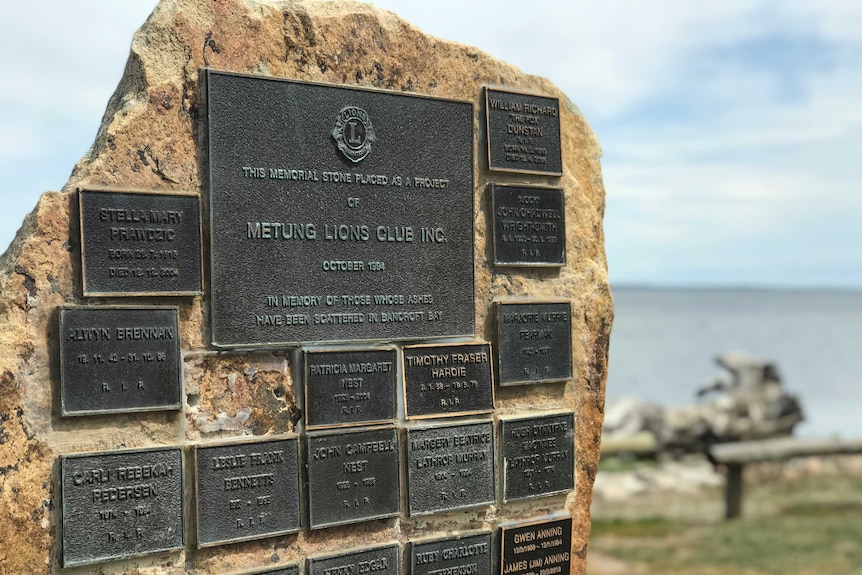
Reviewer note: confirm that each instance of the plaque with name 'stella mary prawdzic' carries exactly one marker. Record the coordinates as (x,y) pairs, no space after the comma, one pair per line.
(534,342)
(529,226)
(337,213)
(121,504)
(523,132)
(538,455)
(140,243)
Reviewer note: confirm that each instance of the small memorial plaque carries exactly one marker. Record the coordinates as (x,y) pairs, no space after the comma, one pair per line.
(529,226)
(352,476)
(286,570)
(450,467)
(523,133)
(384,560)
(349,218)
(538,455)
(448,379)
(534,342)
(465,555)
(119,359)
(136,243)
(121,504)
(527,546)
(350,387)
(247,490)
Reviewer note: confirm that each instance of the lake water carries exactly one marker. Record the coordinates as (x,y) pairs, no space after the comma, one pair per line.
(664,342)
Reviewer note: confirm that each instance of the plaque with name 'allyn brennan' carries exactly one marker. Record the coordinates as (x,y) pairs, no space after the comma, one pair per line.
(538,547)
(140,243)
(119,359)
(337,214)
(449,467)
(385,560)
(352,476)
(523,132)
(538,455)
(349,387)
(247,490)
(534,342)
(463,555)
(120,504)
(529,226)
(448,379)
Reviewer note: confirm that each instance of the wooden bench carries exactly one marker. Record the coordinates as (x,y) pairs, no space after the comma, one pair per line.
(736,455)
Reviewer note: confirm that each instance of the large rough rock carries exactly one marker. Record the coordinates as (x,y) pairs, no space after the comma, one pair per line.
(150,138)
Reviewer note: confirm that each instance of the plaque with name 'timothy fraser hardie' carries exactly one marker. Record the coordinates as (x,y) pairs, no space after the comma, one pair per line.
(337,214)
(462,555)
(538,455)
(246,490)
(526,546)
(529,226)
(136,243)
(120,504)
(119,359)
(534,342)
(385,560)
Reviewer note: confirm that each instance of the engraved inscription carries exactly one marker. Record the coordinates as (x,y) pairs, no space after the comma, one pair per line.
(523,132)
(247,490)
(529,226)
(385,245)
(139,243)
(450,467)
(470,555)
(118,359)
(538,456)
(120,504)
(379,560)
(534,342)
(448,379)
(352,476)
(349,387)
(537,548)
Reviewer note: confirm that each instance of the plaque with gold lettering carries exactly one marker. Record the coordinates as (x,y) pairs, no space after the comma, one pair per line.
(136,243)
(120,504)
(526,546)
(534,341)
(246,490)
(117,359)
(538,455)
(337,213)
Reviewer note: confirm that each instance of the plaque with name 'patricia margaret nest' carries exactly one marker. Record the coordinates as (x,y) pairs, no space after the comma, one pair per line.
(538,455)
(529,226)
(136,243)
(119,359)
(337,214)
(534,342)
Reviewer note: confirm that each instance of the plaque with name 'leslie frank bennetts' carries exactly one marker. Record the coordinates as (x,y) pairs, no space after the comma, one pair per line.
(337,214)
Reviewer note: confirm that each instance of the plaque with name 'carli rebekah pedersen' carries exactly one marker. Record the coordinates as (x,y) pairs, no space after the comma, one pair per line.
(337,214)
(120,504)
(537,547)
(247,490)
(461,555)
(523,132)
(349,387)
(136,243)
(385,560)
(448,379)
(534,342)
(538,455)
(119,359)
(529,226)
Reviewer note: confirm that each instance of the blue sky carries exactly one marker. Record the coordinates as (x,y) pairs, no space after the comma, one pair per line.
(732,131)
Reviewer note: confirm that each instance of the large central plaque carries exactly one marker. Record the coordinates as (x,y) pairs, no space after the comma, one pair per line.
(337,213)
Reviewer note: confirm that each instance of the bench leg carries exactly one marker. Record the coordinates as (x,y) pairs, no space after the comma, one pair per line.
(733,491)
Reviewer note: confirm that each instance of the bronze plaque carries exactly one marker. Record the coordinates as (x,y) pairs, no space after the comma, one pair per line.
(120,504)
(352,476)
(523,132)
(140,243)
(384,560)
(534,342)
(448,379)
(450,467)
(538,455)
(349,387)
(119,359)
(247,490)
(529,226)
(461,555)
(542,547)
(337,213)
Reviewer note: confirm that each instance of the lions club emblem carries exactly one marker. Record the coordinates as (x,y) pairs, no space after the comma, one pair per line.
(354,133)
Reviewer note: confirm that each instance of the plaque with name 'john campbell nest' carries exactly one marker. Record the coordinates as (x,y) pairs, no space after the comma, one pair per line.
(137,243)
(337,213)
(119,359)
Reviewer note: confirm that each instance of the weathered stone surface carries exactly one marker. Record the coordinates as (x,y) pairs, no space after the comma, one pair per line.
(149,138)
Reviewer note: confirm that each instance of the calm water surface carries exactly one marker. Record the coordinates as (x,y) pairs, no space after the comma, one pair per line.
(664,342)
